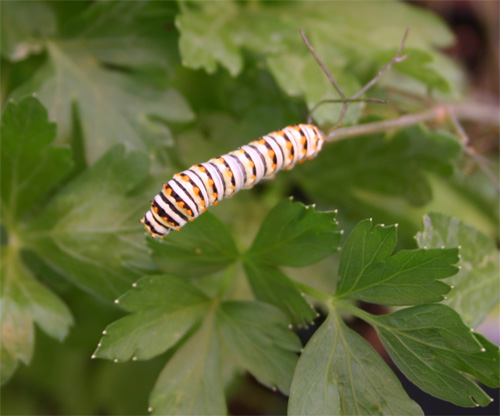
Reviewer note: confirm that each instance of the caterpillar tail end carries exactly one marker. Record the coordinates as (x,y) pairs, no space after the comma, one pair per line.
(144,221)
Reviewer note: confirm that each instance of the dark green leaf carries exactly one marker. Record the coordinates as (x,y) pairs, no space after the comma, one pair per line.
(410,277)
(202,247)
(295,235)
(163,308)
(25,301)
(30,166)
(476,287)
(339,373)
(388,166)
(190,383)
(95,211)
(258,335)
(272,286)
(428,343)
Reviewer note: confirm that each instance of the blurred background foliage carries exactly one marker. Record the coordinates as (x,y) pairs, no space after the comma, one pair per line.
(182,82)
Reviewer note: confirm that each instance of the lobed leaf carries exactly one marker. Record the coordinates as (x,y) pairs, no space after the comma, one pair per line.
(190,383)
(203,247)
(24,301)
(432,346)
(30,166)
(294,235)
(164,308)
(235,27)
(369,273)
(94,68)
(259,337)
(272,286)
(476,287)
(95,210)
(339,373)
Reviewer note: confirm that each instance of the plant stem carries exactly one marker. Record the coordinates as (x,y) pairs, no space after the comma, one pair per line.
(315,293)
(471,112)
(354,310)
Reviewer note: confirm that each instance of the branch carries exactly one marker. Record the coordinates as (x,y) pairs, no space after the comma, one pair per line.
(479,113)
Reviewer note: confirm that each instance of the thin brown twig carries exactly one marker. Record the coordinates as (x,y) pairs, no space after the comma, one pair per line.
(322,65)
(344,100)
(395,59)
(480,113)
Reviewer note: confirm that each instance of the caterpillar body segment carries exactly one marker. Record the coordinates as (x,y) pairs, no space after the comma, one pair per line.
(189,193)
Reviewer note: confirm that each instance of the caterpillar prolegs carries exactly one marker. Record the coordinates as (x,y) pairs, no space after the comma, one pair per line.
(189,193)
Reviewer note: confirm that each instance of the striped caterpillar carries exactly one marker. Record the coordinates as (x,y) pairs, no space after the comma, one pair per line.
(189,193)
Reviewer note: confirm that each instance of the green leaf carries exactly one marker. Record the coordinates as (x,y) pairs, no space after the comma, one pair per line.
(190,383)
(164,308)
(213,34)
(417,65)
(203,247)
(428,343)
(30,166)
(295,235)
(95,70)
(339,373)
(24,301)
(476,287)
(392,166)
(94,211)
(258,335)
(369,272)
(272,286)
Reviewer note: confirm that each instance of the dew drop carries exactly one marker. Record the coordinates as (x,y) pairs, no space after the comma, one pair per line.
(134,358)
(104,332)
(117,301)
(115,360)
(93,356)
(134,284)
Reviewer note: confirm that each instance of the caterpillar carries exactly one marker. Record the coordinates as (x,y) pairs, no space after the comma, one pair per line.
(189,193)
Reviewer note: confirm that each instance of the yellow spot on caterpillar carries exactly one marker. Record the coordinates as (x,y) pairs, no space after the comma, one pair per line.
(185,178)
(271,153)
(261,141)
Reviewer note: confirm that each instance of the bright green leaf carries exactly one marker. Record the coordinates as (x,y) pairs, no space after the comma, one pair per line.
(476,286)
(259,336)
(339,373)
(30,166)
(94,211)
(190,383)
(213,34)
(369,272)
(272,286)
(163,308)
(202,247)
(428,344)
(25,301)
(295,235)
